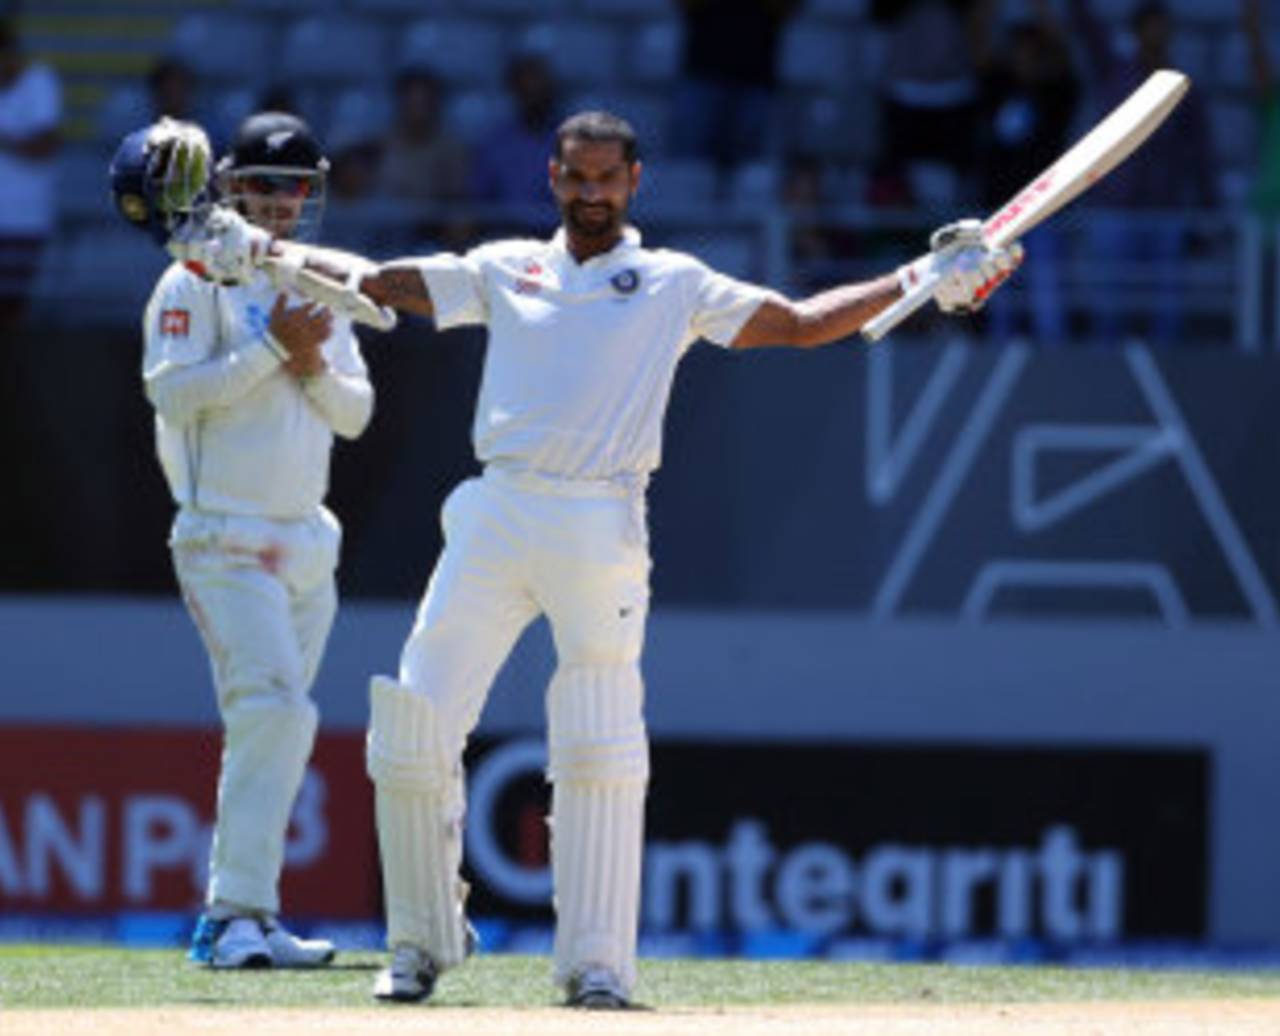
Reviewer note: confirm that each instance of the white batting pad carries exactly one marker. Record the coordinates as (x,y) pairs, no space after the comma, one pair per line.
(266,744)
(419,803)
(599,765)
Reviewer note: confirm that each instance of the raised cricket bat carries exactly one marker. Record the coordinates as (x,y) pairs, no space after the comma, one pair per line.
(1103,148)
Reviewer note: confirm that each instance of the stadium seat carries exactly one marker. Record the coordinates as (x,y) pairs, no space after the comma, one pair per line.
(458,50)
(1191,53)
(357,113)
(111,269)
(654,52)
(727,251)
(126,109)
(291,6)
(628,8)
(675,182)
(1233,67)
(528,8)
(646,112)
(221,46)
(755,184)
(829,126)
(333,50)
(83,188)
(1215,12)
(581,53)
(843,10)
(813,56)
(417,8)
(231,107)
(1234,128)
(472,113)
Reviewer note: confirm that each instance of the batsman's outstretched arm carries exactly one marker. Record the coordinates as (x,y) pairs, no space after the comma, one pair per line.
(959,272)
(819,319)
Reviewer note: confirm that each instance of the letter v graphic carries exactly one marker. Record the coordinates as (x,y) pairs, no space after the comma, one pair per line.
(889,459)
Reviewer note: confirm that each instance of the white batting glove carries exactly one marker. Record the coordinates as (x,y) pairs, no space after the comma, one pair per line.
(223,246)
(968,269)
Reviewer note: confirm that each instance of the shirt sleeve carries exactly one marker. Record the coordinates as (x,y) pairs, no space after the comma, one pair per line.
(722,305)
(457,289)
(182,374)
(343,395)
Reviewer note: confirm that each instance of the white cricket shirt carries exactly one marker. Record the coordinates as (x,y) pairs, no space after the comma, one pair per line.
(581,356)
(235,432)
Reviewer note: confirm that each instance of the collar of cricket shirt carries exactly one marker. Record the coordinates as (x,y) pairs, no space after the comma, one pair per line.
(630,240)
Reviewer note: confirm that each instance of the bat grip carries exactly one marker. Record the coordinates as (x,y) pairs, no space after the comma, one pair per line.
(887,319)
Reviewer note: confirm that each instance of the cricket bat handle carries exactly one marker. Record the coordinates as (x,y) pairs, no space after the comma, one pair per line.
(887,319)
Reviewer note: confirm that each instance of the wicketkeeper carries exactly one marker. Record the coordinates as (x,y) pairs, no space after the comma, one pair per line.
(249,385)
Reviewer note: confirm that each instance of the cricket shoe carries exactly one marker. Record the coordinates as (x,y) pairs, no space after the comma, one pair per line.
(596,989)
(411,976)
(232,942)
(289,951)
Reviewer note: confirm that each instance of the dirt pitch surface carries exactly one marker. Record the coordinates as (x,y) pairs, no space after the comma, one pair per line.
(1111,1018)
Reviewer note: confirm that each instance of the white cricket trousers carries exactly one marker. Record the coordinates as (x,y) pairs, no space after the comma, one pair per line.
(263,596)
(517,546)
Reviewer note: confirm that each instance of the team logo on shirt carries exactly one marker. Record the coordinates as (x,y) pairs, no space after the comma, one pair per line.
(175,322)
(526,285)
(626,282)
(257,319)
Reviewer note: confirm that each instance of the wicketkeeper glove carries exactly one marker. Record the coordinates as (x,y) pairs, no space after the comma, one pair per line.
(968,269)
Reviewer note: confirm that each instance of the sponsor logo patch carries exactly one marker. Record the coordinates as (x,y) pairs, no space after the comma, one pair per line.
(175,322)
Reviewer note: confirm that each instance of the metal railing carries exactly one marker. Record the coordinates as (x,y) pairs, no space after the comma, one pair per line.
(1099,277)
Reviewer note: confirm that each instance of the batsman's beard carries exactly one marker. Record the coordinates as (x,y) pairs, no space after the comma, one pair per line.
(594,219)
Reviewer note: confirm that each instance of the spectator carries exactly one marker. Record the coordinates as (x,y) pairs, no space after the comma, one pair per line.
(511,167)
(1173,171)
(820,250)
(30,115)
(1027,99)
(351,187)
(423,162)
(929,97)
(421,159)
(172,86)
(725,95)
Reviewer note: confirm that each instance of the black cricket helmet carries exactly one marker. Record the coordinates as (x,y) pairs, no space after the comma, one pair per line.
(275,174)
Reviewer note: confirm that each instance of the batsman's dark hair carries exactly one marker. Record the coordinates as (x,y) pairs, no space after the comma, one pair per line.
(598,127)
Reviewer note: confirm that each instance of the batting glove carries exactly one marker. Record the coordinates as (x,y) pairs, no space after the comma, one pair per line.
(223,246)
(968,269)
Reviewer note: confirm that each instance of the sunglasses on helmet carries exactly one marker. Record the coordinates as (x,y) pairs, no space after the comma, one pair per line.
(278,183)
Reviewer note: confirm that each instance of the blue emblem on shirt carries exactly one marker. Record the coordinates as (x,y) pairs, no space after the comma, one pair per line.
(257,319)
(626,282)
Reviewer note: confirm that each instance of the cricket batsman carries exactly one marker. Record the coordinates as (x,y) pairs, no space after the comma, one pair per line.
(585,332)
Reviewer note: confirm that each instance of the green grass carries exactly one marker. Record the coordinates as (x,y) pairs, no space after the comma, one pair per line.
(54,976)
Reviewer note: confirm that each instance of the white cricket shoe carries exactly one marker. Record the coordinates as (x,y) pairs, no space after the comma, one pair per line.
(596,989)
(234,942)
(289,951)
(411,976)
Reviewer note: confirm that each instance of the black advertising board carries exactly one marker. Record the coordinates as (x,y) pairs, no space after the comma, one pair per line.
(925,841)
